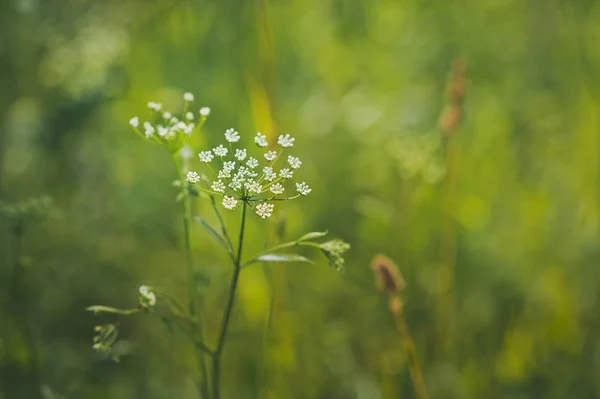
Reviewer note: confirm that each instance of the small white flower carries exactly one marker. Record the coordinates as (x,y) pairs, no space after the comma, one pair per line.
(189,116)
(229,202)
(271,155)
(277,189)
(204,111)
(229,166)
(252,163)
(206,156)
(264,210)
(162,131)
(149,129)
(240,154)
(167,115)
(242,171)
(134,122)
(154,106)
(193,177)
(174,120)
(261,140)
(186,152)
(220,151)
(285,140)
(294,162)
(286,173)
(218,186)
(303,188)
(269,174)
(188,97)
(188,129)
(224,174)
(232,136)
(235,184)
(253,187)
(148,295)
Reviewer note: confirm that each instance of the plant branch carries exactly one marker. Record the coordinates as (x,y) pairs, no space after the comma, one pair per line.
(223,228)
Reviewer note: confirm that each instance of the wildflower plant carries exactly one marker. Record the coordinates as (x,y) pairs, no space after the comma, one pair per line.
(232,178)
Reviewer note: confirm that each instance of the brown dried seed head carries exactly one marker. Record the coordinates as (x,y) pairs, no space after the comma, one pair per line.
(450,120)
(387,275)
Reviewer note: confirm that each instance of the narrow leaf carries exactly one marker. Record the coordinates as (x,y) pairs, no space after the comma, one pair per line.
(211,230)
(279,258)
(107,309)
(313,235)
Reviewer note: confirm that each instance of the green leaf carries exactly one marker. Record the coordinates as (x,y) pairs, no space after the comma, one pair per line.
(211,230)
(313,235)
(283,258)
(279,258)
(107,309)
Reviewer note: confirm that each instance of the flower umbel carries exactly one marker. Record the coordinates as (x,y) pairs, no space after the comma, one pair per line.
(261,140)
(238,178)
(166,130)
(285,140)
(303,188)
(206,156)
(193,177)
(264,210)
(229,202)
(232,136)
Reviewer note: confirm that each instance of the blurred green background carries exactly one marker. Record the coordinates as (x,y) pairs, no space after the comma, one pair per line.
(496,229)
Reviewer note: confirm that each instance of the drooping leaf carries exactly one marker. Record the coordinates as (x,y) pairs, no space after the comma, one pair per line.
(212,231)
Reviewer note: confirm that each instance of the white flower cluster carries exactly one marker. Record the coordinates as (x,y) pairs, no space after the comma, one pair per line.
(239,177)
(166,129)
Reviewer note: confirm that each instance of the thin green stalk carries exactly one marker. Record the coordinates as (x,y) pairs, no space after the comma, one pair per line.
(414,367)
(216,359)
(196,328)
(18,314)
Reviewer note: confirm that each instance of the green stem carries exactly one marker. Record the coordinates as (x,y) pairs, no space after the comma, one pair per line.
(18,313)
(196,329)
(216,359)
